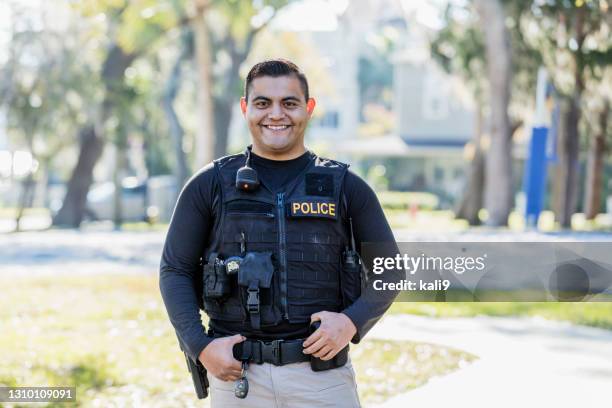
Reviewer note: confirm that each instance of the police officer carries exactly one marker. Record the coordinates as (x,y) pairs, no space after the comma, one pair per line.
(257,241)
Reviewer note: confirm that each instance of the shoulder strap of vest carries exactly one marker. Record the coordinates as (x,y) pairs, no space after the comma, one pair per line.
(349,221)
(233,160)
(219,178)
(348,218)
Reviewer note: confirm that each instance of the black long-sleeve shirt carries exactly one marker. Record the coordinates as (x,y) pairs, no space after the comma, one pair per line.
(189,232)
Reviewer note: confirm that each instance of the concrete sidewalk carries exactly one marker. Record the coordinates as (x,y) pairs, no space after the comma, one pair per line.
(74,252)
(523,362)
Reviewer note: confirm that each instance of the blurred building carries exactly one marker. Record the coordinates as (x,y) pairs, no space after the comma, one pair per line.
(337,31)
(433,115)
(342,48)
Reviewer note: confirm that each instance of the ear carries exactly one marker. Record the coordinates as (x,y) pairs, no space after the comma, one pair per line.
(310,105)
(243,105)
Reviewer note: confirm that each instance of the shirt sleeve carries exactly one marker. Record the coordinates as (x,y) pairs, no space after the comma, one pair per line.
(186,240)
(369,225)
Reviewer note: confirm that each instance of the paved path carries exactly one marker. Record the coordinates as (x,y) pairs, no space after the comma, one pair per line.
(80,252)
(100,250)
(523,362)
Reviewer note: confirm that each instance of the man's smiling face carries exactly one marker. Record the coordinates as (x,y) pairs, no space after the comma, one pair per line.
(277,114)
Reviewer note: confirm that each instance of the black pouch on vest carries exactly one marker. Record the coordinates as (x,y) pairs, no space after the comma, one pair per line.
(351,279)
(340,359)
(216,281)
(255,273)
(256,266)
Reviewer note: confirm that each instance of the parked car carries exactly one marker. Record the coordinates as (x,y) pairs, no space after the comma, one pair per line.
(100,201)
(150,200)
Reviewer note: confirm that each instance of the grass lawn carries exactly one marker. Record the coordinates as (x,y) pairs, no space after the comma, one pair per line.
(109,336)
(596,314)
(387,368)
(425,220)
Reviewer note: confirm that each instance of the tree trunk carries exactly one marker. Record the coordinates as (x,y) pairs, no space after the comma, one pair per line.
(173,84)
(569,159)
(91,146)
(498,188)
(223,119)
(205,137)
(472,199)
(118,174)
(24,199)
(225,102)
(571,152)
(559,185)
(566,173)
(595,167)
(43,182)
(92,142)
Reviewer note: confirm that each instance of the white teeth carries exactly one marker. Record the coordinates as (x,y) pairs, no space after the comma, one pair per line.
(277,127)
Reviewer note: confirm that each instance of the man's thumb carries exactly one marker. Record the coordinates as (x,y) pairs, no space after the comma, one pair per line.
(315,317)
(237,338)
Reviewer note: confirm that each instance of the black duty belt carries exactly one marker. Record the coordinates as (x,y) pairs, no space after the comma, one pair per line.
(277,352)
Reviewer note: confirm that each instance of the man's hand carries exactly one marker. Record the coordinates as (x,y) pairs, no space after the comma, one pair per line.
(219,360)
(335,332)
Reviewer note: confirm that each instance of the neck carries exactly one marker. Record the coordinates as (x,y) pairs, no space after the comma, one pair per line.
(293,153)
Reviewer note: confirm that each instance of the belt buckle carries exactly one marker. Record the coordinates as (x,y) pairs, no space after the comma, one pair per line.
(271,351)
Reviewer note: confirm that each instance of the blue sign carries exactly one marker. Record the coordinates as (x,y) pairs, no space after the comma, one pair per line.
(534,180)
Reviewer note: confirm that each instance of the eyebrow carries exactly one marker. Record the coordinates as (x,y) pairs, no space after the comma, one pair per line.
(285,99)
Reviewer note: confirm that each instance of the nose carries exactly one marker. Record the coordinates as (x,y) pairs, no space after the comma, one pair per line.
(276,112)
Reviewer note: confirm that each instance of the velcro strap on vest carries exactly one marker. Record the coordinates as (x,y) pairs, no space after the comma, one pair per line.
(306,311)
(299,256)
(313,238)
(314,293)
(318,275)
(255,237)
(319,238)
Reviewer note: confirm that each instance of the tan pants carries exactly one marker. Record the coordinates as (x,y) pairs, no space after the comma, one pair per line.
(289,386)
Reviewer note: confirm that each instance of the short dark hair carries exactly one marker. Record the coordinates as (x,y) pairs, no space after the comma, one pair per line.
(275,68)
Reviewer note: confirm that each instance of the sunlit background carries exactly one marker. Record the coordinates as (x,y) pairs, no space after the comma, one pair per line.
(471,119)
(142,94)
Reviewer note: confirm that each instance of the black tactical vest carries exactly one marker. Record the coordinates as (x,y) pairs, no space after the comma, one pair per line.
(302,226)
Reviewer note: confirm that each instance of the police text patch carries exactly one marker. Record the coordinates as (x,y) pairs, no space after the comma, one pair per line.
(309,208)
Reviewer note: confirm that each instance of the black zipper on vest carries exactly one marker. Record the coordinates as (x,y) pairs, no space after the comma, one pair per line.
(280,201)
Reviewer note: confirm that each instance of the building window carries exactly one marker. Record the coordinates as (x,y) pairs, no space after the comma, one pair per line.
(329,120)
(438,174)
(436,94)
